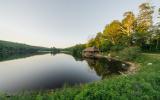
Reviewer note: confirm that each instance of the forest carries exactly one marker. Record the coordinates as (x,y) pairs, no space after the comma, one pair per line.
(134,39)
(11,48)
(132,31)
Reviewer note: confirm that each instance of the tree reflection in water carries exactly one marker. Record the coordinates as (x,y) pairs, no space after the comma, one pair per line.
(5,57)
(105,67)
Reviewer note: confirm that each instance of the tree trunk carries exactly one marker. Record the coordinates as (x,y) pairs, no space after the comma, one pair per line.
(157,44)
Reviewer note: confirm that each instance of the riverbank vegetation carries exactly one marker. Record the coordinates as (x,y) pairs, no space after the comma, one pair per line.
(125,40)
(132,31)
(75,50)
(144,84)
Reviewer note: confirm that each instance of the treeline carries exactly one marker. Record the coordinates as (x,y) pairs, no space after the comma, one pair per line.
(131,31)
(54,50)
(7,47)
(75,50)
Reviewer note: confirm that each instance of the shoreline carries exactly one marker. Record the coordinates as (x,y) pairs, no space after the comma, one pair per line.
(133,67)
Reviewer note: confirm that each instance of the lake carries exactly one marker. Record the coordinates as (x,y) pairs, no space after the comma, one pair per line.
(50,71)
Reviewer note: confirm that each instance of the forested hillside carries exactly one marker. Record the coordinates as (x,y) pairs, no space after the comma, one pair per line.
(7,47)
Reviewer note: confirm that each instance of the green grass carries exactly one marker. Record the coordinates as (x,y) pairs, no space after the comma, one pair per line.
(144,85)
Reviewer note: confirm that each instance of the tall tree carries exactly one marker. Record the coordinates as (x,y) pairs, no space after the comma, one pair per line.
(91,42)
(159,13)
(143,24)
(128,23)
(113,31)
(156,31)
(144,19)
(155,34)
(98,39)
(158,16)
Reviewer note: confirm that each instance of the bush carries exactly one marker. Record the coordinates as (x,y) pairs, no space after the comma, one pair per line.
(77,50)
(105,46)
(117,48)
(129,53)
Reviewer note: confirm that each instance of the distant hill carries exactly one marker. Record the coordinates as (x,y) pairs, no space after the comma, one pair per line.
(7,47)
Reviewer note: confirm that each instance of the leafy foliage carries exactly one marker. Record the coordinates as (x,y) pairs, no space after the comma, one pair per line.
(129,53)
(75,50)
(131,31)
(144,19)
(128,23)
(113,32)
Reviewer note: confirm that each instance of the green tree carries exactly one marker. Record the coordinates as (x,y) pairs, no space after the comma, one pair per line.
(91,42)
(155,33)
(98,39)
(128,23)
(113,32)
(144,19)
(143,24)
(159,13)
(128,26)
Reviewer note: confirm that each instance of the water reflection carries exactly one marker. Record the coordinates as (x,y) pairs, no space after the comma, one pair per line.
(105,67)
(5,57)
(49,71)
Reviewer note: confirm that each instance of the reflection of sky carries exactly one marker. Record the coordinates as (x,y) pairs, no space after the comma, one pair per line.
(43,72)
(60,22)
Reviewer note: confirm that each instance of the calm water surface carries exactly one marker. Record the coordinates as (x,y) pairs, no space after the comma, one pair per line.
(43,72)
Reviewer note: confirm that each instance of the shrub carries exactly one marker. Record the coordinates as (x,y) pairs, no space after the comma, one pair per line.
(129,53)
(117,48)
(112,54)
(105,46)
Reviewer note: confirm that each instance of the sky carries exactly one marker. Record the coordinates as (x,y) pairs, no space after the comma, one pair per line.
(61,23)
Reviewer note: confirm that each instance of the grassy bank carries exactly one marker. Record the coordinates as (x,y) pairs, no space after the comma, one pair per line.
(145,84)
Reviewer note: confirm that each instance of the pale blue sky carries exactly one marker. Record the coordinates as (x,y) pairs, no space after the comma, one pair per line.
(61,23)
